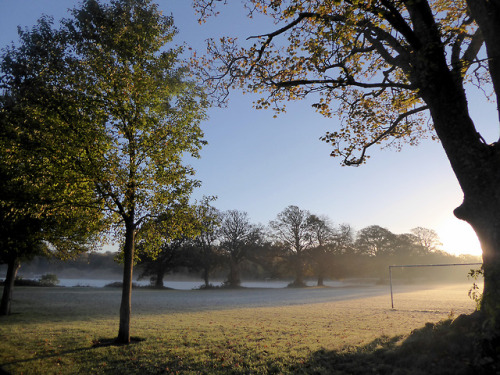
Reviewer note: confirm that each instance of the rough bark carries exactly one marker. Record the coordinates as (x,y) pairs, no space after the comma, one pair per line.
(128,264)
(476,166)
(12,268)
(481,206)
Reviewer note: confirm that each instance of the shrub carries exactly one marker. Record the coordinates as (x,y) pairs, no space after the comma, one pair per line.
(49,279)
(118,284)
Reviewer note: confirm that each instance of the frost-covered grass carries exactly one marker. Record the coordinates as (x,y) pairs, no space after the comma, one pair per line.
(67,331)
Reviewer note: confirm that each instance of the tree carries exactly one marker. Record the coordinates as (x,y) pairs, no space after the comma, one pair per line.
(128,114)
(293,229)
(408,247)
(160,249)
(389,65)
(158,265)
(271,258)
(24,236)
(428,238)
(323,245)
(375,241)
(237,236)
(343,239)
(205,244)
(35,215)
(19,235)
(20,241)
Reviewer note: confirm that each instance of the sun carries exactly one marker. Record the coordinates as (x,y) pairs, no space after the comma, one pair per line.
(458,237)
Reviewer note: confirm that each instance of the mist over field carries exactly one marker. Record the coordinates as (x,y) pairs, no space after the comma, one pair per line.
(96,269)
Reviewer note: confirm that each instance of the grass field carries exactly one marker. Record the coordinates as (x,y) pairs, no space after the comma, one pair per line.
(68,331)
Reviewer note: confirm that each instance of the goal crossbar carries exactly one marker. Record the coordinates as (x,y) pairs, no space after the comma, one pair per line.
(424,265)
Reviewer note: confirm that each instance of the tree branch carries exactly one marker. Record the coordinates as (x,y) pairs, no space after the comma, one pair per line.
(341,83)
(401,117)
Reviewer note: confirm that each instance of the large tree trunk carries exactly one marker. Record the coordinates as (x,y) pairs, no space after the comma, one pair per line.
(12,268)
(321,280)
(206,265)
(477,168)
(485,219)
(234,273)
(128,265)
(489,235)
(299,270)
(160,274)
(206,273)
(322,267)
(475,163)
(482,212)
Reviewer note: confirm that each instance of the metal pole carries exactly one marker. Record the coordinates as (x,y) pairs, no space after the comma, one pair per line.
(390,282)
(424,265)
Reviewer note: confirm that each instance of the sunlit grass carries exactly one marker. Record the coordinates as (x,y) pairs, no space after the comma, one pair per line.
(54,336)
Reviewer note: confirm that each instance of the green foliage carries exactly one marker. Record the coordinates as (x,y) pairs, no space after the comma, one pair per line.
(358,60)
(49,279)
(475,292)
(107,112)
(44,205)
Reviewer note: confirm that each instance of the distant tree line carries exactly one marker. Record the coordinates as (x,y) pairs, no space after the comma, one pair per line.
(296,245)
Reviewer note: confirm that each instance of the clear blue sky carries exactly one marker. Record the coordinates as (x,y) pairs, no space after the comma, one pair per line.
(260,164)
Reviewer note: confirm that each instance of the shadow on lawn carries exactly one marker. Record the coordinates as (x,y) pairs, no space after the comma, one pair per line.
(452,347)
(449,347)
(99,343)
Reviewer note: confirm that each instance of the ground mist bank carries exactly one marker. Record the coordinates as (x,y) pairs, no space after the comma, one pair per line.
(343,266)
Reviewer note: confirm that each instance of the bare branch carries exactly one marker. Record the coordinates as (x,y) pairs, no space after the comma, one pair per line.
(401,117)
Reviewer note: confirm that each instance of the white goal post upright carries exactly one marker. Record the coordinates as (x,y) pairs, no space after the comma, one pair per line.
(424,265)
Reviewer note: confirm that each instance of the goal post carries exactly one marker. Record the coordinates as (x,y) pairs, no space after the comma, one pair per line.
(424,265)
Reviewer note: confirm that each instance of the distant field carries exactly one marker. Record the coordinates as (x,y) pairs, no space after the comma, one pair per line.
(249,331)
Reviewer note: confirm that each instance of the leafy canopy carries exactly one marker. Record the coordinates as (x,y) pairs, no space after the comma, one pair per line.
(360,60)
(101,114)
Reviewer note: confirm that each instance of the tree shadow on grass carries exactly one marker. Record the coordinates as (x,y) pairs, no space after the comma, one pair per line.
(98,343)
(103,342)
(453,347)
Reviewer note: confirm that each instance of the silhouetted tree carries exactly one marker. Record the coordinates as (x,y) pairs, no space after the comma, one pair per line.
(408,248)
(271,257)
(167,260)
(293,229)
(375,241)
(344,239)
(428,238)
(160,249)
(322,248)
(205,253)
(237,236)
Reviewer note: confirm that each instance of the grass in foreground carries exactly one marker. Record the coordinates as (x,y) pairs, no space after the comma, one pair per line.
(348,337)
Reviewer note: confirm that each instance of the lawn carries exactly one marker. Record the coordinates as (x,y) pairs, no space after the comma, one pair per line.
(68,331)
